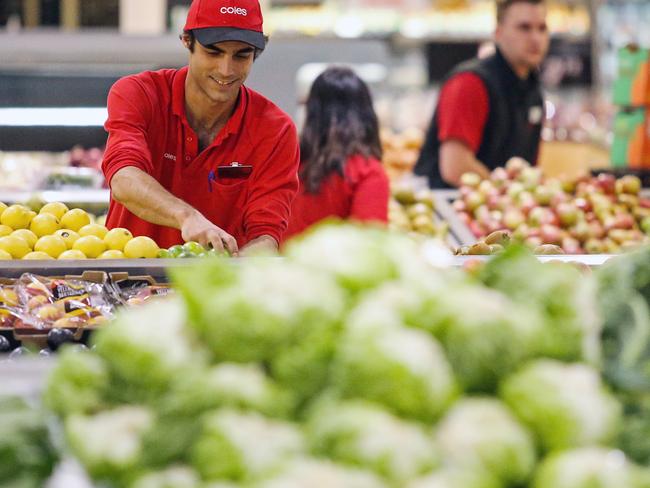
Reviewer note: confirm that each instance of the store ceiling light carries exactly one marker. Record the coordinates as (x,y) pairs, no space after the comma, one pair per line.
(53,117)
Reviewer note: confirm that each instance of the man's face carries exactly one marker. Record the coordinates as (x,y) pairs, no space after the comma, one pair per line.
(219,70)
(522,35)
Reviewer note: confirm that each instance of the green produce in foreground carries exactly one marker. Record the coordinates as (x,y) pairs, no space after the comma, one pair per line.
(145,348)
(77,384)
(403,369)
(109,444)
(243,446)
(362,434)
(482,435)
(486,336)
(242,386)
(262,309)
(563,296)
(565,405)
(320,473)
(456,478)
(590,468)
(27,456)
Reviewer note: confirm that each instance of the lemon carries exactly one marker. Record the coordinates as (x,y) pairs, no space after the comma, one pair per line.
(3,207)
(141,247)
(101,220)
(69,236)
(51,245)
(37,255)
(111,254)
(28,235)
(14,245)
(5,255)
(57,209)
(44,224)
(91,246)
(5,230)
(74,219)
(17,217)
(93,230)
(72,254)
(117,238)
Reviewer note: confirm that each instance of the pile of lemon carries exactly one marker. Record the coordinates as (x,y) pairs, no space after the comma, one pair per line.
(57,232)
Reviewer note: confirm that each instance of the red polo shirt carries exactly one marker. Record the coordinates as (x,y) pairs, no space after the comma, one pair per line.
(148,129)
(361,194)
(463,108)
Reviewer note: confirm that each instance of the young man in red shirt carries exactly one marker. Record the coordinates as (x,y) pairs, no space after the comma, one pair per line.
(193,154)
(492,109)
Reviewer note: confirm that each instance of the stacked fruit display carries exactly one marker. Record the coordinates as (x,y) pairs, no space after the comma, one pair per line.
(590,215)
(413,211)
(400,151)
(57,232)
(190,249)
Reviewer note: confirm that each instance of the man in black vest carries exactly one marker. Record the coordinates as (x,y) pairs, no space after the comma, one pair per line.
(491,109)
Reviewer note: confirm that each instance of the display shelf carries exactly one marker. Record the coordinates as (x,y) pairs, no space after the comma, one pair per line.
(94,197)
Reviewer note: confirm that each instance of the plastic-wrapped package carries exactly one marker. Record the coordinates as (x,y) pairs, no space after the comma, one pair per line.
(61,303)
(8,306)
(137,291)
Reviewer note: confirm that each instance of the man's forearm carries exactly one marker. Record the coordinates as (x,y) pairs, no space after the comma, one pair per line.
(456,159)
(148,199)
(262,244)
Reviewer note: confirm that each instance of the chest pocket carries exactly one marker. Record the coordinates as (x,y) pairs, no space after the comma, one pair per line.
(217,184)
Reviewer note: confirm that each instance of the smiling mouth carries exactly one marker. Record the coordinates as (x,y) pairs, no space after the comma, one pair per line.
(222,83)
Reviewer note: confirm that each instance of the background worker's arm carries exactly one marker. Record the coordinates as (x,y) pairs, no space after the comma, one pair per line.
(463,111)
(146,198)
(456,158)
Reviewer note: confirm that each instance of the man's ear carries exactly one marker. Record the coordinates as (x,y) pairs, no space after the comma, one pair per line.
(185,39)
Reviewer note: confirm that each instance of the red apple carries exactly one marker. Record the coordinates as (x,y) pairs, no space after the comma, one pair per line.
(476,229)
(581,231)
(607,183)
(583,204)
(571,245)
(474,199)
(550,234)
(567,214)
(515,165)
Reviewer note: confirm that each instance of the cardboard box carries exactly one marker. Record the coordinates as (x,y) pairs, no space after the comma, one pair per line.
(631,146)
(632,87)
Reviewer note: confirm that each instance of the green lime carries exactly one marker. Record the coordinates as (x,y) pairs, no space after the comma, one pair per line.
(193,247)
(164,253)
(175,251)
(185,254)
(220,254)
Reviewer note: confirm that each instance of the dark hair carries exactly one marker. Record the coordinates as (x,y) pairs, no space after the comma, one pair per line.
(192,40)
(340,123)
(504,5)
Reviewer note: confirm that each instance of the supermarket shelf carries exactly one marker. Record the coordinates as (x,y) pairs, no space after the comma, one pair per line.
(66,196)
(457,229)
(587,259)
(153,267)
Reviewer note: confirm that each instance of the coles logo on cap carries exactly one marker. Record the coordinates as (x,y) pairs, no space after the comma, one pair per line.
(233,10)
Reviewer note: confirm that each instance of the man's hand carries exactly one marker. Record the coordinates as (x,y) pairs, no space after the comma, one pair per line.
(261,245)
(195,227)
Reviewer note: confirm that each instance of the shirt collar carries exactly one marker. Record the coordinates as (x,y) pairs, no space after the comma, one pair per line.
(511,76)
(233,126)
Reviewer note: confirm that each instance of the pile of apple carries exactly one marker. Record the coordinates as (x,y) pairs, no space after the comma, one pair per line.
(413,211)
(589,215)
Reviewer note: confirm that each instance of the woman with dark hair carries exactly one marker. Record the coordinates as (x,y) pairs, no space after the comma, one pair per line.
(340,171)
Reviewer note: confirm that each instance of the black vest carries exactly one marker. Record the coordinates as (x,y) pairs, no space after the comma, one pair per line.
(513,126)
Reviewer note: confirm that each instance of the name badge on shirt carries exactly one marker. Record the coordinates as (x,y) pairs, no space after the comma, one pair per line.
(535,115)
(234,170)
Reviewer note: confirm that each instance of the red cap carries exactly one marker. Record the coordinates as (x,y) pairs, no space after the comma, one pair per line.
(215,21)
